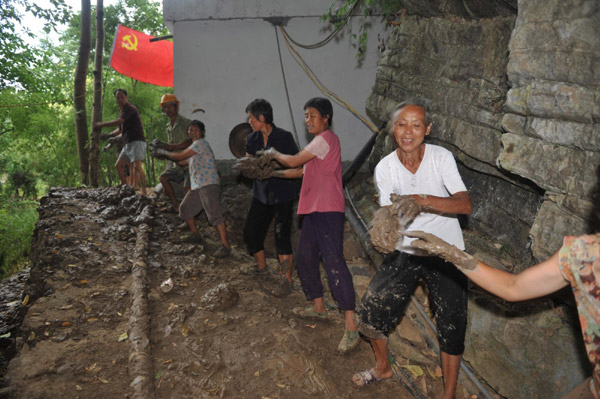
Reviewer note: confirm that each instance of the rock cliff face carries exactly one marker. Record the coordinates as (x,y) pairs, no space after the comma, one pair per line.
(516,97)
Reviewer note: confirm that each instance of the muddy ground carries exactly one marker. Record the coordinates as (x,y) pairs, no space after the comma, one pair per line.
(219,332)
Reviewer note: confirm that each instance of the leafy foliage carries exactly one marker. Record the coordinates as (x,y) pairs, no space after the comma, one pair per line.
(17,220)
(339,15)
(17,57)
(37,129)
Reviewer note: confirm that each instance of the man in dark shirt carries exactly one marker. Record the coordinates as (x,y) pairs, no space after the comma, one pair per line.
(273,197)
(133,153)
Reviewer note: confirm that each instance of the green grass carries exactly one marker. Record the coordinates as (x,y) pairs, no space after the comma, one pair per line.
(17,221)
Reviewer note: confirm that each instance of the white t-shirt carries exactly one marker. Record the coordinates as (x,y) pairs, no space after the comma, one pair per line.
(437,175)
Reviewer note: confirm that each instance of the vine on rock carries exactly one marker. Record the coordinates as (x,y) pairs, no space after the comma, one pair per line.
(341,11)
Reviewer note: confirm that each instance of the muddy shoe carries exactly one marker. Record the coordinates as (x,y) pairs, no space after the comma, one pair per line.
(309,312)
(349,341)
(222,252)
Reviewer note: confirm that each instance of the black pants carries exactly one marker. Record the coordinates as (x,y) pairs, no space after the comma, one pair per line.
(389,292)
(258,221)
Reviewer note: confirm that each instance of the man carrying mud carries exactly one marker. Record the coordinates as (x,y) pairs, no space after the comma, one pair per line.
(425,175)
(178,141)
(134,150)
(272,197)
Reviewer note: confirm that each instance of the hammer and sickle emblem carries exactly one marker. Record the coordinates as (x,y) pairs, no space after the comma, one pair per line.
(130,42)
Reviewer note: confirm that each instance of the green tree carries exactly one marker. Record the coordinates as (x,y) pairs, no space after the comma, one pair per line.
(37,137)
(17,57)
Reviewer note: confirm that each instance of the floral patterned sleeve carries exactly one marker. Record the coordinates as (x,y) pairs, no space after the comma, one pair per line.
(579,262)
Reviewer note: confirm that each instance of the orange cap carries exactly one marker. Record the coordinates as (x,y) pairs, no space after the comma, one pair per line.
(168,98)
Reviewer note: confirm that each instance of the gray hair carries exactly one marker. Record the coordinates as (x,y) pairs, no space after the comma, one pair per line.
(394,114)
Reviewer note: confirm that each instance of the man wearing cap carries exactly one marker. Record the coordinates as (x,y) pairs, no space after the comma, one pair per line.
(178,141)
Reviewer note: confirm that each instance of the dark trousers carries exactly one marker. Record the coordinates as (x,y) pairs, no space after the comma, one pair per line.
(322,236)
(389,292)
(258,221)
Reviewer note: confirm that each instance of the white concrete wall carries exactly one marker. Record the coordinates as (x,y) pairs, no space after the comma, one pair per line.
(223,64)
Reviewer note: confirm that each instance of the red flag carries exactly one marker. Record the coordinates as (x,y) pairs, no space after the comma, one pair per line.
(135,56)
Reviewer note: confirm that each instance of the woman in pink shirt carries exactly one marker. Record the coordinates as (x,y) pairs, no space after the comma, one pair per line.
(322,205)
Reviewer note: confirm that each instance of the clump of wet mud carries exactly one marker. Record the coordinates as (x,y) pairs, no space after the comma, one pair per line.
(221,297)
(389,222)
(260,167)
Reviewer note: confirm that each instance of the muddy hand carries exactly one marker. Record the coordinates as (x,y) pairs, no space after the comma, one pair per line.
(436,246)
(158,143)
(159,153)
(270,153)
(406,208)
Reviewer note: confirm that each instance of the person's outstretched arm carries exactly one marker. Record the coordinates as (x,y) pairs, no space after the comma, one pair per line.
(534,282)
(174,156)
(539,280)
(292,173)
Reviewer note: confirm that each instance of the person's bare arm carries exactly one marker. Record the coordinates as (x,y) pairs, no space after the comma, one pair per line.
(292,173)
(180,156)
(179,146)
(536,281)
(293,161)
(458,203)
(116,122)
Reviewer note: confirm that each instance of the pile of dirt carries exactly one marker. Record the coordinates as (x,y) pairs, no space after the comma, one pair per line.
(220,331)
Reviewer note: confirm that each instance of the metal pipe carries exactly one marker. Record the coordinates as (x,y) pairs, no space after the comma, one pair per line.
(360,158)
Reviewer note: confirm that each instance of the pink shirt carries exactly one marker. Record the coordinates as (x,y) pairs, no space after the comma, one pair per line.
(322,183)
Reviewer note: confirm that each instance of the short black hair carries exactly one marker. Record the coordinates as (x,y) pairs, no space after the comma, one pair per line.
(260,106)
(118,90)
(322,105)
(198,123)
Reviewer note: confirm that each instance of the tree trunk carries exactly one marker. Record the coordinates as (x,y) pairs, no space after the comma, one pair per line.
(97,106)
(83,59)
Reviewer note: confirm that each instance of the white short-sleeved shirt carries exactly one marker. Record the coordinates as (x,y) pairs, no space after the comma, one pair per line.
(437,175)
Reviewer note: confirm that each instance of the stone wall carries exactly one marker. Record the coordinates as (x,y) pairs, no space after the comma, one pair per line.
(552,112)
(517,100)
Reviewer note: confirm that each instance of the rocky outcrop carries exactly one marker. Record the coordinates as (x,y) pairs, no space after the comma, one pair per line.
(552,112)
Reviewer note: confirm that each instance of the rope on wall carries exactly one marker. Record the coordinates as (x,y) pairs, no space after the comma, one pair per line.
(287,94)
(315,79)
